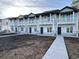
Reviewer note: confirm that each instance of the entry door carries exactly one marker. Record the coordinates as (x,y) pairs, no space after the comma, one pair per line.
(41,30)
(15,29)
(30,30)
(59,30)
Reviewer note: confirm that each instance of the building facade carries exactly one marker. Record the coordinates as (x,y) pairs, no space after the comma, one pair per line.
(50,23)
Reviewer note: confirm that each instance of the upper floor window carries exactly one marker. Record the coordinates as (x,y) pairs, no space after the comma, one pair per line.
(12,20)
(44,17)
(31,19)
(20,19)
(48,18)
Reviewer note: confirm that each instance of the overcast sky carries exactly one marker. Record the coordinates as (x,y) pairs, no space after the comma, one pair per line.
(12,8)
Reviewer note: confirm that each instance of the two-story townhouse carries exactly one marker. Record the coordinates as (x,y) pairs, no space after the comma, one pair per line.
(21,22)
(68,21)
(5,25)
(13,24)
(64,21)
(17,24)
(54,22)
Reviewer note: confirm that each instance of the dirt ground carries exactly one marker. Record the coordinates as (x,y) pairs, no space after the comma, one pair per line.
(24,47)
(72,45)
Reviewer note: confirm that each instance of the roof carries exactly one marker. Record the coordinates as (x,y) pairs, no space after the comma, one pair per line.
(12,18)
(48,12)
(73,8)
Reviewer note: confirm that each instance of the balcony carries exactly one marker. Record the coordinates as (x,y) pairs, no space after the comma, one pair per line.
(32,22)
(66,21)
(46,22)
(39,22)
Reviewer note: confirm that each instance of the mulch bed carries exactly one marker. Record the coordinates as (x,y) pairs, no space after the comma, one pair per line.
(72,45)
(24,46)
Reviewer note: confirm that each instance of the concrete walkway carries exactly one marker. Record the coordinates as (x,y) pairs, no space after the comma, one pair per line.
(57,50)
(11,35)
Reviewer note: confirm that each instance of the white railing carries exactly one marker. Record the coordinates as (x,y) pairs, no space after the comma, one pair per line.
(46,22)
(66,20)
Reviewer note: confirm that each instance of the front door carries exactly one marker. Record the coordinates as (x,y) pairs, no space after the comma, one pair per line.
(59,30)
(41,30)
(15,29)
(30,30)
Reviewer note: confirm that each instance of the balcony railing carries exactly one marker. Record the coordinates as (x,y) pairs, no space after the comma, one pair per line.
(63,21)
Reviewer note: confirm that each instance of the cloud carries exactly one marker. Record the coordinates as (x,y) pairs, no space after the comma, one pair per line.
(11,7)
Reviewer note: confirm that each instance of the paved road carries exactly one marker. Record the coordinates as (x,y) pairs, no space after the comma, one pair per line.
(57,50)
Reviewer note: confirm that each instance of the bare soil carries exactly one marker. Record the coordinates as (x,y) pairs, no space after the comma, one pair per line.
(24,46)
(72,45)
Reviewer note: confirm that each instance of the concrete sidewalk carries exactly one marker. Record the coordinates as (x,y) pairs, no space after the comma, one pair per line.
(11,35)
(57,50)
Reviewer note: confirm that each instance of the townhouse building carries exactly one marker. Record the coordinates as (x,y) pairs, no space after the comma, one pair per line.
(63,22)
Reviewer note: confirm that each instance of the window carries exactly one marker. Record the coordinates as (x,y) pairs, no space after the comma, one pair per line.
(22,28)
(49,29)
(20,19)
(12,28)
(0,27)
(6,23)
(70,29)
(48,18)
(0,20)
(35,29)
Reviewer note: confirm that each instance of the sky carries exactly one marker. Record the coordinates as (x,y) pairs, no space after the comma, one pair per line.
(14,8)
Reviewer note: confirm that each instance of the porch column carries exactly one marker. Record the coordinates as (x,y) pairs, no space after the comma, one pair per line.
(56,23)
(40,18)
(26,29)
(28,20)
(35,21)
(51,20)
(39,22)
(59,21)
(73,16)
(77,24)
(59,18)
(50,17)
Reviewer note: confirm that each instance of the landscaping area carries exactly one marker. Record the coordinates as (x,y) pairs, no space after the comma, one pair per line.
(24,46)
(72,45)
(33,47)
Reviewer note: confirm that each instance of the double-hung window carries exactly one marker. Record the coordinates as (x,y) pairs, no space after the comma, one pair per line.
(49,29)
(70,29)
